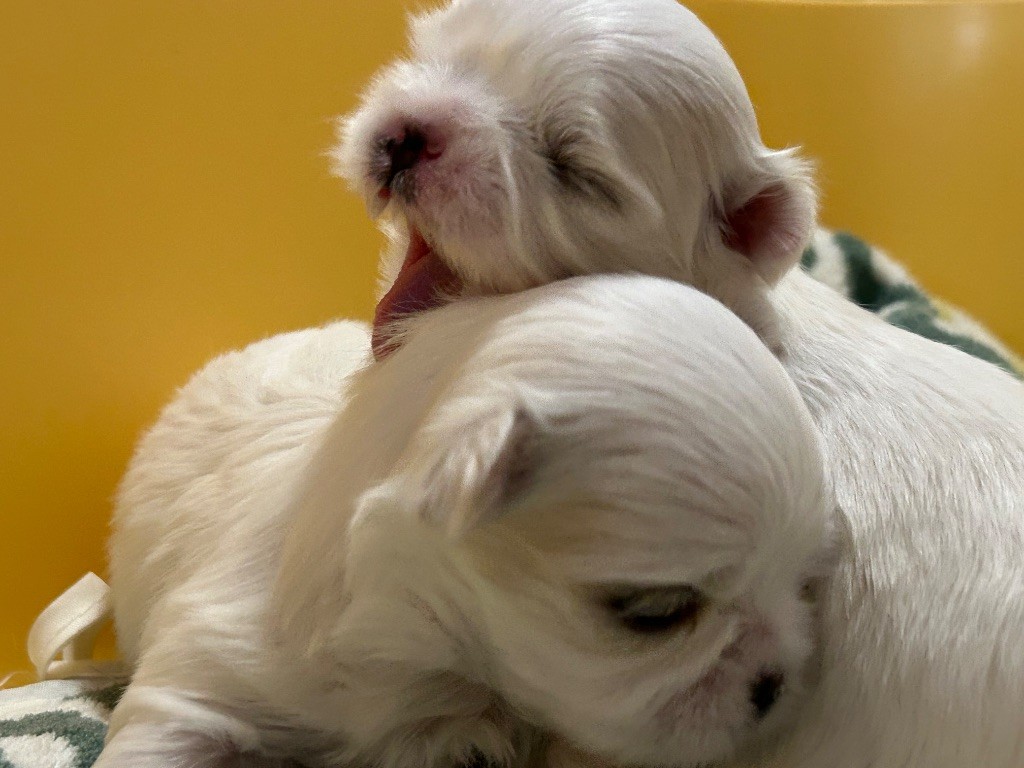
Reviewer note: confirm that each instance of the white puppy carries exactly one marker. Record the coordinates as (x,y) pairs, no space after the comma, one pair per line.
(586,510)
(531,140)
(526,140)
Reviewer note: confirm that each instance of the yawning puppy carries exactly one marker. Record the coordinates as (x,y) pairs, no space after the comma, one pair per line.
(527,140)
(583,514)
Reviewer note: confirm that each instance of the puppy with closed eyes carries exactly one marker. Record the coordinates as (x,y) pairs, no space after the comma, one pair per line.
(582,514)
(526,140)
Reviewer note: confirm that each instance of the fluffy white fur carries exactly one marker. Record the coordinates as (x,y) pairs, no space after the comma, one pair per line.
(441,559)
(585,136)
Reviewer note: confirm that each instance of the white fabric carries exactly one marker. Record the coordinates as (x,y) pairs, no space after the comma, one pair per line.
(33,751)
(61,641)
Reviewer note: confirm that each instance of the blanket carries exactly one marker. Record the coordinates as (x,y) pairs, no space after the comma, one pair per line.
(61,723)
(869,277)
(56,723)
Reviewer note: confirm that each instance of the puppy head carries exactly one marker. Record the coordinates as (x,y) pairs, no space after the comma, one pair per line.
(588,542)
(528,140)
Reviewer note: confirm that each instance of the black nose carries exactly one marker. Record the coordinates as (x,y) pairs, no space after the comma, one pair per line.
(764,692)
(404,151)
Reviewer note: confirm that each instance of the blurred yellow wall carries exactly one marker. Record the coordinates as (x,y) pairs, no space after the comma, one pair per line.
(163,197)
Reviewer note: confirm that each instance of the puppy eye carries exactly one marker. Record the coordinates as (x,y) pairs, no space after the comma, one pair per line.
(560,159)
(657,609)
(562,153)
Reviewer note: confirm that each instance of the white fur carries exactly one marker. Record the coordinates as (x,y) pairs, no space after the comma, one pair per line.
(924,623)
(407,564)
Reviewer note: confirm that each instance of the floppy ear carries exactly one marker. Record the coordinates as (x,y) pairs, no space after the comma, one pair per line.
(468,477)
(770,214)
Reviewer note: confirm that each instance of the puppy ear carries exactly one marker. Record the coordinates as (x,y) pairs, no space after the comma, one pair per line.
(771,213)
(475,480)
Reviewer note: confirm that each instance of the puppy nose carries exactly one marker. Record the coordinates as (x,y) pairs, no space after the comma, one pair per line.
(764,692)
(407,148)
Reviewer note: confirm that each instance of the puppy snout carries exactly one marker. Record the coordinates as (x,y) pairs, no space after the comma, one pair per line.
(765,691)
(408,147)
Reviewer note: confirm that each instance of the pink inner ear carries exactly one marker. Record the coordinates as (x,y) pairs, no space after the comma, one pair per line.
(769,229)
(749,226)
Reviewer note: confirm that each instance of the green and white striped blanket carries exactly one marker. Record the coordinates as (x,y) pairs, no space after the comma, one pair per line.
(56,723)
(867,276)
(61,723)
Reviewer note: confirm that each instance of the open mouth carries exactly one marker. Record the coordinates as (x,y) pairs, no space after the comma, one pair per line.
(423,283)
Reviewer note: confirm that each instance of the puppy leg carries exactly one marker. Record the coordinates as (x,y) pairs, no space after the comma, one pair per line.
(163,727)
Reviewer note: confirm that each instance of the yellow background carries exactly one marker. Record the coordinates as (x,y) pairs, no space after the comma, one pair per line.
(163,197)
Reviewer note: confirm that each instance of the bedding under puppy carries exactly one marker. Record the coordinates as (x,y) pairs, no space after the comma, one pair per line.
(527,140)
(586,511)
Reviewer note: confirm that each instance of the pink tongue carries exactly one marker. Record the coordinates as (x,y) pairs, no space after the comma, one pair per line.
(420,285)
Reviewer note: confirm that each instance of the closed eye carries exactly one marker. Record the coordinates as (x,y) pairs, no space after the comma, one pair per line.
(560,159)
(655,610)
(563,152)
